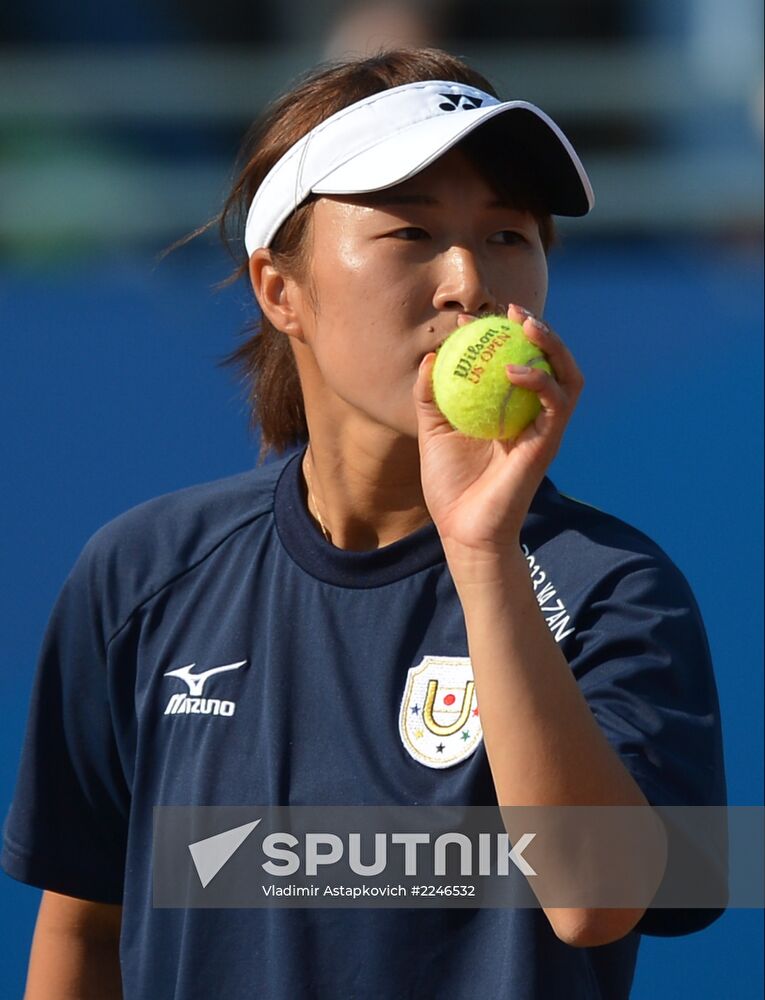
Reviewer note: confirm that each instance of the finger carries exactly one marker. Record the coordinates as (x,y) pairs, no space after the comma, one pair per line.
(538,332)
(423,386)
(545,433)
(429,417)
(561,359)
(552,395)
(518,314)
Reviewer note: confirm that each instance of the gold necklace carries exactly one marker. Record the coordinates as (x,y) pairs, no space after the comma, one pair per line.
(313,498)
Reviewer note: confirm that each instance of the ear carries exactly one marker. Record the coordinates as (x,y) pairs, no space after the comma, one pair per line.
(279,297)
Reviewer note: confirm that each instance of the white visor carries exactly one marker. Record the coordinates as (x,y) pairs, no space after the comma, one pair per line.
(389,137)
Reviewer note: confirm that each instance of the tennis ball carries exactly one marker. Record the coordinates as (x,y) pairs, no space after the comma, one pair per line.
(471,387)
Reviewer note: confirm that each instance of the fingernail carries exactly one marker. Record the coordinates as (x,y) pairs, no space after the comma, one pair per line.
(539,325)
(518,369)
(520,309)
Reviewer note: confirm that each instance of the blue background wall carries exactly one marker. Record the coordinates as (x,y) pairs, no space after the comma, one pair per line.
(109,394)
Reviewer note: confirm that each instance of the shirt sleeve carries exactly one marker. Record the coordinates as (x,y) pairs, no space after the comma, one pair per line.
(643,663)
(66,829)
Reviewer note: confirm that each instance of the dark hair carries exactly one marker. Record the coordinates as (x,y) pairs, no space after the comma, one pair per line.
(265,359)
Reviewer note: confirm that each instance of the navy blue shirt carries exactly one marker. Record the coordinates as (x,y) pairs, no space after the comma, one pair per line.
(324,648)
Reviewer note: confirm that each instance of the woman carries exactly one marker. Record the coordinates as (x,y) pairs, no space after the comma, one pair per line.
(382,203)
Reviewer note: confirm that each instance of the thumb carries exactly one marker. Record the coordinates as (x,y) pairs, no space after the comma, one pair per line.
(429,417)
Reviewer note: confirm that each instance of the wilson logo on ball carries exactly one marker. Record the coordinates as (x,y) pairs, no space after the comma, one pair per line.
(470,384)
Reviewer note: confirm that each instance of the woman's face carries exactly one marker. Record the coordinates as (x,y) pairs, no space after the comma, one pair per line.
(391,274)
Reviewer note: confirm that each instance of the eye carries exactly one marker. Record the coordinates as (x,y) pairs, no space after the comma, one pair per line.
(508,238)
(409,233)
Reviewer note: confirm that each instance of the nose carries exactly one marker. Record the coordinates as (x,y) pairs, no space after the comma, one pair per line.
(462,284)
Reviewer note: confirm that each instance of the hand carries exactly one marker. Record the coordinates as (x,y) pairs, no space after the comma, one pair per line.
(479,492)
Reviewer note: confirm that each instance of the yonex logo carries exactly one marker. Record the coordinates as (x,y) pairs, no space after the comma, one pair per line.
(460,102)
(192,703)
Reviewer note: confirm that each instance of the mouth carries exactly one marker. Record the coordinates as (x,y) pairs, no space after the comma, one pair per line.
(464,318)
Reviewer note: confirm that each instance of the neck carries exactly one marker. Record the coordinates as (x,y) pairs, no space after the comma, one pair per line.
(366,503)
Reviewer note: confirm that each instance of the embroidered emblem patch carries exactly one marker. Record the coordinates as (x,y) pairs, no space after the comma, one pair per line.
(439,722)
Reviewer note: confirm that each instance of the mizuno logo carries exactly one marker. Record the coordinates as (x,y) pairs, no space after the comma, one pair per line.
(459,102)
(197,681)
(192,703)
